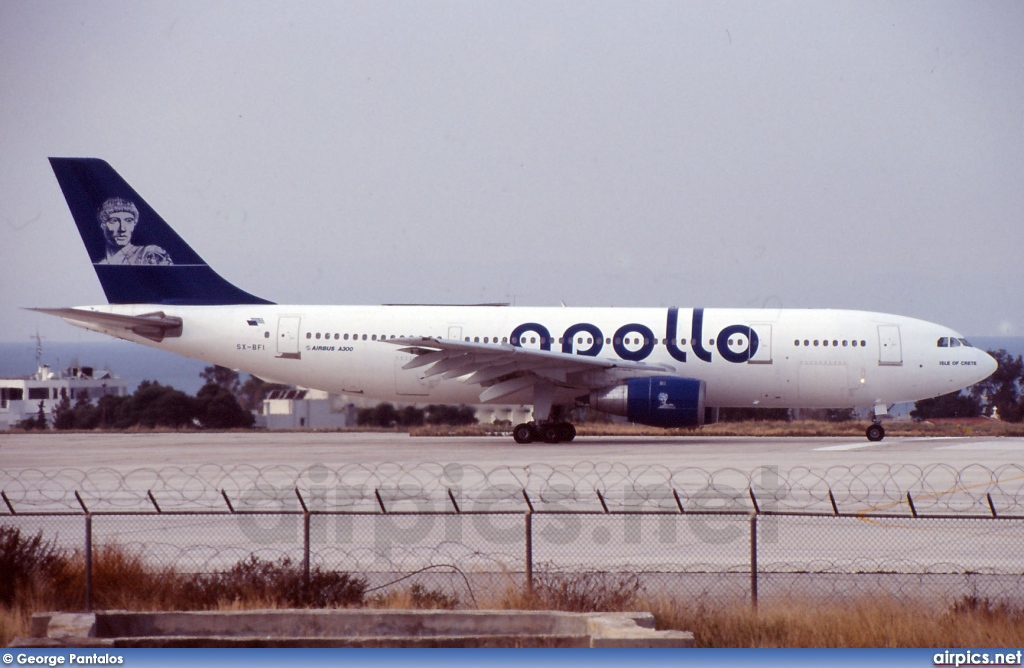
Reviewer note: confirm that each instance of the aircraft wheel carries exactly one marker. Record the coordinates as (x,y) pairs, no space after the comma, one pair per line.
(523,434)
(875,432)
(551,433)
(568,432)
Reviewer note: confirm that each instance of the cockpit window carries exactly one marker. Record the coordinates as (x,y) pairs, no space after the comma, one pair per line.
(954,342)
(944,342)
(966,343)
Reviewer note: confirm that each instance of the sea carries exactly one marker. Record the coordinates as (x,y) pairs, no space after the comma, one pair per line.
(136,363)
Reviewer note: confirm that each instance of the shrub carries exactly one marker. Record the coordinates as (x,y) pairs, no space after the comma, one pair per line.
(25,562)
(586,592)
(280,581)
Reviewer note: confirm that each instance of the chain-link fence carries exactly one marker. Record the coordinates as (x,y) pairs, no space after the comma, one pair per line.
(722,536)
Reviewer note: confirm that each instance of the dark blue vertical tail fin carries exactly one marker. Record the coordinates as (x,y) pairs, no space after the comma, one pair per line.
(138,258)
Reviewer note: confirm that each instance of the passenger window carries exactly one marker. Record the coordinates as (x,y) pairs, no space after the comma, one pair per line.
(835,343)
(309,335)
(825,343)
(806,342)
(797,342)
(266,335)
(318,335)
(364,337)
(815,343)
(346,337)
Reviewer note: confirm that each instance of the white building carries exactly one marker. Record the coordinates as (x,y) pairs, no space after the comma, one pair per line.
(20,397)
(306,409)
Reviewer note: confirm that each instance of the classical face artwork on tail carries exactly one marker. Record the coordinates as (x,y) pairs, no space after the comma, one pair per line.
(118,218)
(138,258)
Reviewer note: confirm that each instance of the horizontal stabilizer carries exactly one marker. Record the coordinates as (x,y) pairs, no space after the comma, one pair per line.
(154,326)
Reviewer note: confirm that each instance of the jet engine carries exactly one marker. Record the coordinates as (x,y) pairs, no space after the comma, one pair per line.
(660,401)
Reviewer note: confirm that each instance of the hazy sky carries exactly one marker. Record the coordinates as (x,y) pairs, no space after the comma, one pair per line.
(803,154)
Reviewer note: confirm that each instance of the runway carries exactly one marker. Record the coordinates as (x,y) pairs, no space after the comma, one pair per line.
(52,450)
(946,475)
(388,504)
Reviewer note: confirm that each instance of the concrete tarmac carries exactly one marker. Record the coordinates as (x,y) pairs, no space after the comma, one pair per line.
(355,473)
(52,450)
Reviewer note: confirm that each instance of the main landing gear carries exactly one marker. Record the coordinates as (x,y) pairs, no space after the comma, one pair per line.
(549,432)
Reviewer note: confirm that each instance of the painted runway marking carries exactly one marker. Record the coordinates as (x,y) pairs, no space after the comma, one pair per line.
(847,446)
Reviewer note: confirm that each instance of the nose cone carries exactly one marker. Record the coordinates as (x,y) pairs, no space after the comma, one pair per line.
(987,366)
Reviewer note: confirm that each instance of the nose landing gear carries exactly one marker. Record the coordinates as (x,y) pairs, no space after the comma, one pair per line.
(876,432)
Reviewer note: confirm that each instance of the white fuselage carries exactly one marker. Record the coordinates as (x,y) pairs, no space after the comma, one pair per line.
(801,358)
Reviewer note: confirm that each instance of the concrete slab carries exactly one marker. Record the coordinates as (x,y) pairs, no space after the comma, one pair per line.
(350,628)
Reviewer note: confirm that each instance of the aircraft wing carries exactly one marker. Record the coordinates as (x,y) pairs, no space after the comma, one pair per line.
(154,326)
(504,369)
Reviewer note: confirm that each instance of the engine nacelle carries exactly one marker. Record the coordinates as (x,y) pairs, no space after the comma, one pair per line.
(661,401)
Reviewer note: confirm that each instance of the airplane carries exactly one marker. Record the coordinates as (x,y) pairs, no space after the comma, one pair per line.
(664,367)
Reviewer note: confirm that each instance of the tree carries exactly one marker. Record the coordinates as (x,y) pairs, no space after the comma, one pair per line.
(223,376)
(253,391)
(38,421)
(453,415)
(952,405)
(87,415)
(840,414)
(1001,392)
(381,415)
(217,408)
(63,414)
(156,405)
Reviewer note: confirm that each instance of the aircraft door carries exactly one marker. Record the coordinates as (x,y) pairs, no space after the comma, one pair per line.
(763,354)
(455,332)
(890,351)
(409,382)
(288,336)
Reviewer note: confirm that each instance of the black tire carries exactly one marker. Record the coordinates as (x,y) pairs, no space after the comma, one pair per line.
(551,433)
(568,432)
(523,434)
(875,432)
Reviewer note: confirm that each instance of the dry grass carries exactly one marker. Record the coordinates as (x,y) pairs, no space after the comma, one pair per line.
(122,580)
(861,622)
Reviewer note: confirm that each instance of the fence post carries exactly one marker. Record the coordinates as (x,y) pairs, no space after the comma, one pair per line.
(88,553)
(753,560)
(529,553)
(529,545)
(305,539)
